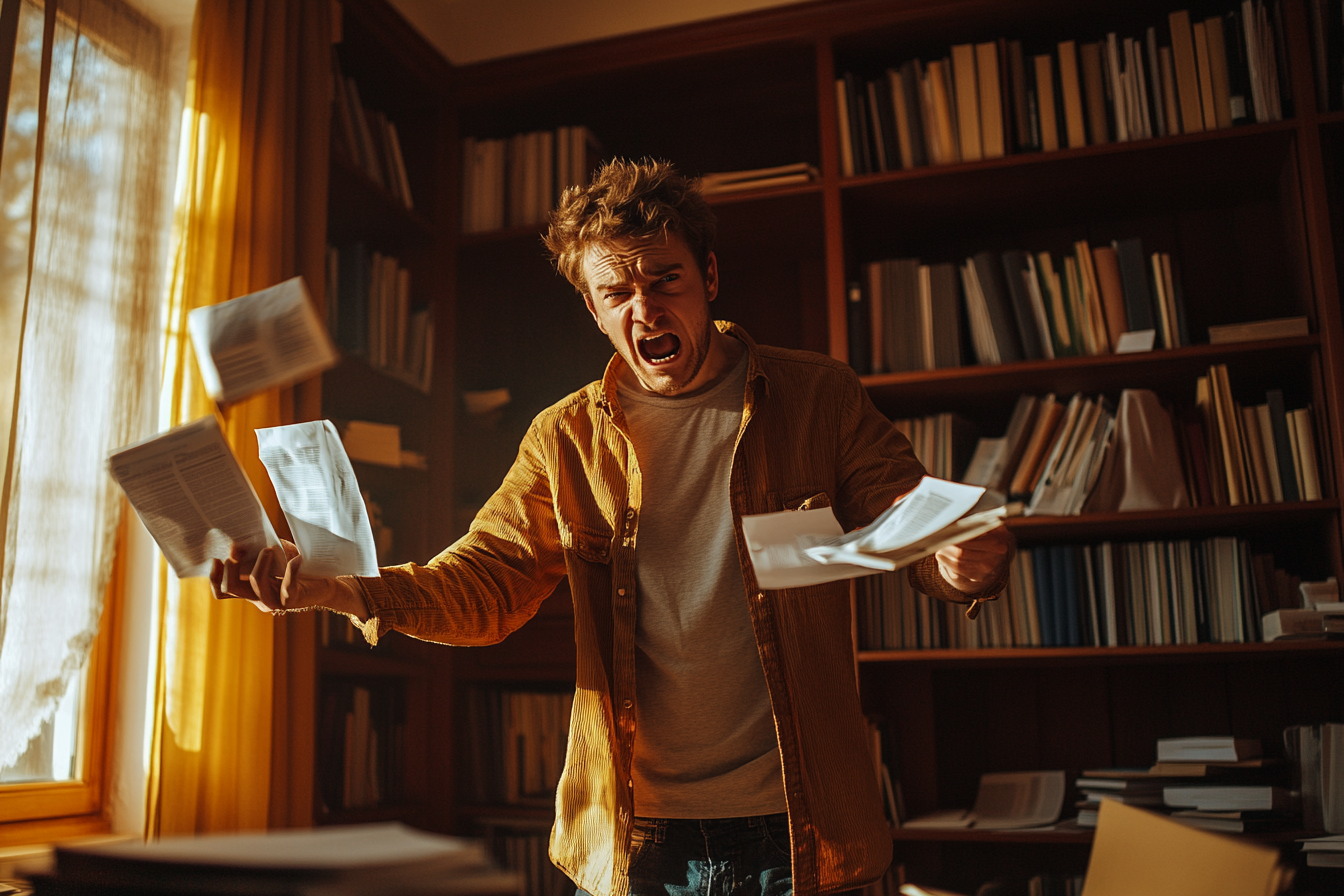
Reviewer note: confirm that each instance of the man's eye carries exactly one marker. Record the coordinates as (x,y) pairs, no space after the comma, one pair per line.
(669,278)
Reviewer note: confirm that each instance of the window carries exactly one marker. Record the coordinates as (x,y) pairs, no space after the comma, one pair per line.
(84,178)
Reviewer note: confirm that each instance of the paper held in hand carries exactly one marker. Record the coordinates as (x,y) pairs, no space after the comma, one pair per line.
(192,496)
(320,497)
(796,548)
(267,338)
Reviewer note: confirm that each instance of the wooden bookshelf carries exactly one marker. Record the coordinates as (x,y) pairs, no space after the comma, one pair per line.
(399,75)
(1254,212)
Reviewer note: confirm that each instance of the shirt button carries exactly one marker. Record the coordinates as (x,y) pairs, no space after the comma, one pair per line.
(621,592)
(628,704)
(630,513)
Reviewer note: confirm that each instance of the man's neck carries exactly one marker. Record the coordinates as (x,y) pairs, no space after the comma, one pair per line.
(724,353)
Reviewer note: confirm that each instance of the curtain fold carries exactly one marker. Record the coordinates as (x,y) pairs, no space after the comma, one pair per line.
(82,180)
(248,212)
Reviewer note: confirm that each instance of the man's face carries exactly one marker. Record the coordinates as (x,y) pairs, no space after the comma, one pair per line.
(650,299)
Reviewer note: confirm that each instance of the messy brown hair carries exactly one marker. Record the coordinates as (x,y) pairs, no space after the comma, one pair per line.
(628,200)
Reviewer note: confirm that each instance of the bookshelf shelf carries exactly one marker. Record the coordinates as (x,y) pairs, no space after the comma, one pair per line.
(362,210)
(1072,656)
(1148,524)
(1151,150)
(1064,836)
(970,386)
(1251,213)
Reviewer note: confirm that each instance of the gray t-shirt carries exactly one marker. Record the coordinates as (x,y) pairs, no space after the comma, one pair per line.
(705,743)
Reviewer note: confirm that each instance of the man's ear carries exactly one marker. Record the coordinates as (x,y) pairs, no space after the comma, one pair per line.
(712,277)
(592,309)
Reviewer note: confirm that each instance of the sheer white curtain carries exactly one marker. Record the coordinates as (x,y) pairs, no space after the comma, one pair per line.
(82,180)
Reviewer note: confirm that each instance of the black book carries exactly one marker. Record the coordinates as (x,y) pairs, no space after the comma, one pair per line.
(1238,69)
(945,303)
(1134,279)
(911,78)
(1283,446)
(884,124)
(857,100)
(1002,316)
(1015,270)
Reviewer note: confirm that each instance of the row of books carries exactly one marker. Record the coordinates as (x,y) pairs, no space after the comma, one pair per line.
(370,313)
(1084,455)
(515,745)
(1017,305)
(1325,23)
(516,181)
(942,442)
(1102,595)
(1252,454)
(361,739)
(987,99)
(368,138)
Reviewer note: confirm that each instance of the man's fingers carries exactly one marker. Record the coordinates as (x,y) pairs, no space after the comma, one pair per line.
(291,587)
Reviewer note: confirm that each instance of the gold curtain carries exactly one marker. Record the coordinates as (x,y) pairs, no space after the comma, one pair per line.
(250,212)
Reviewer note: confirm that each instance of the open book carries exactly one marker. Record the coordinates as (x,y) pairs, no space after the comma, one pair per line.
(795,548)
(1005,801)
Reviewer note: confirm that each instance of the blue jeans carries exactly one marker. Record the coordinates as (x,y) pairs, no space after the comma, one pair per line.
(711,857)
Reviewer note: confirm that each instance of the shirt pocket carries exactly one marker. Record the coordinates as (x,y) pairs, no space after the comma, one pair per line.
(799,499)
(590,541)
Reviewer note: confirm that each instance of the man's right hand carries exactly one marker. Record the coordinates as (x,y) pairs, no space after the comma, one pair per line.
(274,583)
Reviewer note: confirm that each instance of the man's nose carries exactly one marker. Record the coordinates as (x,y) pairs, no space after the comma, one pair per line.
(645,308)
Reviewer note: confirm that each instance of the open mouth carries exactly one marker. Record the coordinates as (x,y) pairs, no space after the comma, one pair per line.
(660,349)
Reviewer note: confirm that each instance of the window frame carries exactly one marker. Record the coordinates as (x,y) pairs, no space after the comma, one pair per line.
(40,811)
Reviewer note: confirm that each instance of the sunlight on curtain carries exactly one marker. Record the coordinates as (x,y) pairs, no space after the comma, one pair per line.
(234,232)
(81,278)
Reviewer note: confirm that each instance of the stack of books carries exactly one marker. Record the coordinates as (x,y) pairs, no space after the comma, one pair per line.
(719,182)
(981,101)
(1102,595)
(1321,614)
(1214,783)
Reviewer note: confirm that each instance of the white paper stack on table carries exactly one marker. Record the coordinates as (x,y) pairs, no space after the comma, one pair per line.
(341,860)
(796,548)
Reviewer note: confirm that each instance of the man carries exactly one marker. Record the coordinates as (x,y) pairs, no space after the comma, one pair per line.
(716,742)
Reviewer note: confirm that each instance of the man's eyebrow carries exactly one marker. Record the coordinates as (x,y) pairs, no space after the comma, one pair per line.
(654,272)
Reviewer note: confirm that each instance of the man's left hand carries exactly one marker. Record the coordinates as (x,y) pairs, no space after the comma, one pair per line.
(973,565)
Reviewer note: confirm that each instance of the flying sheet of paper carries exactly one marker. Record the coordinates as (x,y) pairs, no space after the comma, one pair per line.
(194,499)
(320,496)
(267,338)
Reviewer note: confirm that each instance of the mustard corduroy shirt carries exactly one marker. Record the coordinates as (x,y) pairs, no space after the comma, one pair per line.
(570,506)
